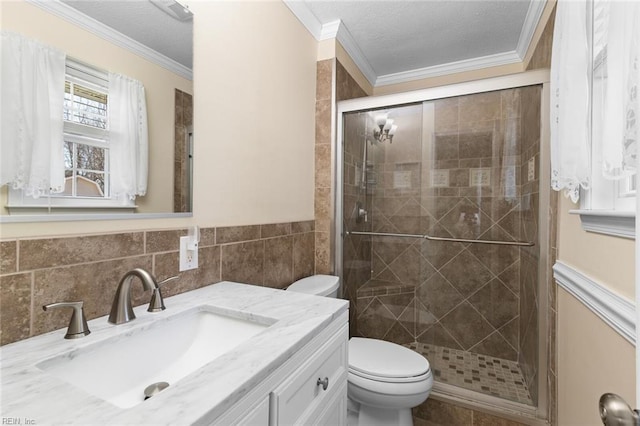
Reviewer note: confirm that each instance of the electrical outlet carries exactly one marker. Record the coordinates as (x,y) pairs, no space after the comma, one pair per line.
(188,258)
(531,169)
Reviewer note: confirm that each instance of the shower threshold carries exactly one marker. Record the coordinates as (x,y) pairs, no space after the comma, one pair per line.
(480,373)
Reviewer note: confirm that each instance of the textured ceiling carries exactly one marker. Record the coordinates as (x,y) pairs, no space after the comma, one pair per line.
(144,23)
(403,35)
(419,38)
(391,41)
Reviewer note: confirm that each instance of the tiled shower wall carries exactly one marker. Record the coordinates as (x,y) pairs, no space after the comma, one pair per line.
(35,272)
(356,268)
(323,205)
(469,297)
(529,256)
(183,119)
(334,84)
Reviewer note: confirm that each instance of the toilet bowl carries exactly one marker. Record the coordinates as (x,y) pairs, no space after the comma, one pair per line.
(385,380)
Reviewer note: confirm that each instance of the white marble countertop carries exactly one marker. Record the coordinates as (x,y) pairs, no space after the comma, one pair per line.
(35,397)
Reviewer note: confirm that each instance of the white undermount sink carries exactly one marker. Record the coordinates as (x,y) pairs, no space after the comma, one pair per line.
(119,369)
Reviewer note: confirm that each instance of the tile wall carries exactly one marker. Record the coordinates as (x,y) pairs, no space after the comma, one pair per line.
(39,271)
(323,204)
(542,59)
(329,71)
(450,294)
(356,268)
(529,256)
(183,120)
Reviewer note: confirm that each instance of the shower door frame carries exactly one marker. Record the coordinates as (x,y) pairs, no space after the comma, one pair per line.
(529,78)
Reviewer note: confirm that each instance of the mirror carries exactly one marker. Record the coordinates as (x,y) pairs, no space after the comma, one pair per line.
(149,41)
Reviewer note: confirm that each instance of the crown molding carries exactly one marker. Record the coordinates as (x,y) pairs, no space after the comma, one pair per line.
(339,31)
(330,30)
(617,311)
(351,47)
(306,17)
(105,32)
(449,68)
(536,8)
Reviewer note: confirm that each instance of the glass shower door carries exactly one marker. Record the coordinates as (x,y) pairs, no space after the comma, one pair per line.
(455,168)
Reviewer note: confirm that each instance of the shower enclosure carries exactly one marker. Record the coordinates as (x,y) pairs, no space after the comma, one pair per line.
(438,244)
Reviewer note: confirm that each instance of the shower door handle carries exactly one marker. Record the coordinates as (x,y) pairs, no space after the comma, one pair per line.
(614,411)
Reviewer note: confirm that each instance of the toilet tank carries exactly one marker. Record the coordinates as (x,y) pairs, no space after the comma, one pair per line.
(319,285)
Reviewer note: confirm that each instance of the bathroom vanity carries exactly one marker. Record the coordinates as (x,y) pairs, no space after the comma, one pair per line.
(231,354)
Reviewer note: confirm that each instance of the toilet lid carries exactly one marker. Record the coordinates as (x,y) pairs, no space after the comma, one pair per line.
(320,285)
(383,359)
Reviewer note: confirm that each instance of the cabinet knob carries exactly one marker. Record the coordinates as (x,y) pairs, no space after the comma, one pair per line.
(323,382)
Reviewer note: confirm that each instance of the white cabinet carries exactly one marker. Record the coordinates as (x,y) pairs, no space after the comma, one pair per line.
(258,415)
(300,398)
(335,412)
(310,388)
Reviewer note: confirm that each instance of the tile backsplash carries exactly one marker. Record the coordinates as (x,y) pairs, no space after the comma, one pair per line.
(38,271)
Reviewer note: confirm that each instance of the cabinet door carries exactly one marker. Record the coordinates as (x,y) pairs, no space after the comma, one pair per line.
(335,412)
(251,412)
(258,416)
(313,384)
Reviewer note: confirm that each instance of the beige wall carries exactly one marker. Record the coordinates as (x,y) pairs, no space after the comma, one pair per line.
(605,259)
(592,360)
(254,85)
(592,357)
(255,150)
(33,22)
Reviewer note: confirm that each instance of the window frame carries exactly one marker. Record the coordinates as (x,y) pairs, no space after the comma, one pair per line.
(17,202)
(607,207)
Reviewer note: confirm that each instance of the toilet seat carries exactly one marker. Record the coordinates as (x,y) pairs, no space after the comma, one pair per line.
(412,379)
(388,362)
(389,389)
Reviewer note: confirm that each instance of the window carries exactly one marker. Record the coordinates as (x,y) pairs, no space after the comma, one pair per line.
(609,205)
(86,145)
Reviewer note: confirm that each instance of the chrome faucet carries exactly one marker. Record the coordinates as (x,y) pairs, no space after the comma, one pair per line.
(121,309)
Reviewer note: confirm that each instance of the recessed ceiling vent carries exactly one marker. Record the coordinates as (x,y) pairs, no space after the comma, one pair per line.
(174,9)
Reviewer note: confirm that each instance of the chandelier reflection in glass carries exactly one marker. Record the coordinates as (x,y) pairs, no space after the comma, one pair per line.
(385,128)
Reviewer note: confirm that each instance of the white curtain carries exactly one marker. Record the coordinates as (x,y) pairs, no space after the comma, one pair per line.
(128,137)
(31,116)
(570,148)
(620,110)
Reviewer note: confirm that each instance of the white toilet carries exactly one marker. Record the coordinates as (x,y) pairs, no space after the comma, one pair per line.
(385,380)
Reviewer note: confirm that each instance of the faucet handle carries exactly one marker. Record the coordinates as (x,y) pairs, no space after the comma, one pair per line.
(163,282)
(78,326)
(157,303)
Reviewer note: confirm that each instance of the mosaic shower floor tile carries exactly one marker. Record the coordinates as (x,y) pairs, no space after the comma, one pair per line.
(480,373)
